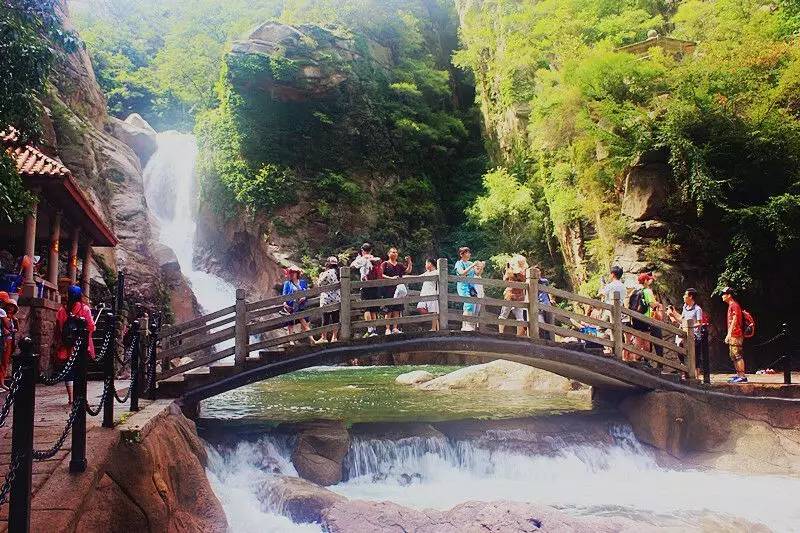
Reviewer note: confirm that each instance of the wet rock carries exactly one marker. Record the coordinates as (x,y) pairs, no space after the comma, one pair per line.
(468,517)
(135,132)
(320,451)
(500,375)
(299,499)
(414,377)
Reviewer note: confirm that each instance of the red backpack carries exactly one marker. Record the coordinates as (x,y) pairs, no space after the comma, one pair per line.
(749,326)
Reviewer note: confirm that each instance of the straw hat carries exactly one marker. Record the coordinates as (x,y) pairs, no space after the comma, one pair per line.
(518,264)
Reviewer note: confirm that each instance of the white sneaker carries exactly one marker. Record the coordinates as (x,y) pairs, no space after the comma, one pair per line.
(397,332)
(373,334)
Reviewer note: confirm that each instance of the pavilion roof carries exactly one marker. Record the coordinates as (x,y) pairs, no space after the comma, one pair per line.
(58,185)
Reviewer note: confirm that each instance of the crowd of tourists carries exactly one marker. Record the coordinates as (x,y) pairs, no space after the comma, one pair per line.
(641,299)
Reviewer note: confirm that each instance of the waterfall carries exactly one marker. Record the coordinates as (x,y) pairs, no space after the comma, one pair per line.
(169,188)
(620,478)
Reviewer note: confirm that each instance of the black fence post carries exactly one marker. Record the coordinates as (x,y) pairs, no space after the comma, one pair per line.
(77,462)
(109,371)
(19,512)
(151,356)
(135,378)
(706,363)
(787,354)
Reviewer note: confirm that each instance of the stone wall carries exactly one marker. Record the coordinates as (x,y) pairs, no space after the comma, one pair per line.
(37,320)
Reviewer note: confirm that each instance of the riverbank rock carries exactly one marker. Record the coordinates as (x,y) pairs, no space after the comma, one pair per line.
(414,377)
(137,134)
(297,498)
(320,451)
(470,517)
(501,375)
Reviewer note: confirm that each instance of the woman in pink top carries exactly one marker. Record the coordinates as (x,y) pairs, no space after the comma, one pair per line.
(74,307)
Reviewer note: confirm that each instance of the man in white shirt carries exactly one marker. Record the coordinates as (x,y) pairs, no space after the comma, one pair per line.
(614,286)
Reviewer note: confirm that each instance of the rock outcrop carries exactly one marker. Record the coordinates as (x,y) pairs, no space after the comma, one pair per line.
(296,498)
(135,132)
(501,375)
(320,451)
(414,377)
(470,517)
(158,484)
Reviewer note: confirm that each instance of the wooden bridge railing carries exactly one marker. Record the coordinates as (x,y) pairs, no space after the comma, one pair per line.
(245,327)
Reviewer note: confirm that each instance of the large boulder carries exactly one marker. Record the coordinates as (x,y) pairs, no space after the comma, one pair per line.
(137,134)
(414,377)
(500,375)
(297,498)
(320,451)
(470,517)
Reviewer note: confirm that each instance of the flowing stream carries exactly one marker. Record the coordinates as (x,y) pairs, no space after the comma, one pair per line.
(169,187)
(617,479)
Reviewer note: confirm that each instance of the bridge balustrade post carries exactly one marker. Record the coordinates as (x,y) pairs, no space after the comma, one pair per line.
(19,513)
(691,356)
(77,462)
(441,264)
(345,309)
(534,274)
(787,354)
(242,348)
(616,325)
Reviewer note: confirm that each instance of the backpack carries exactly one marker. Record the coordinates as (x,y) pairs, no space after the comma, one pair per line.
(749,326)
(376,272)
(71,331)
(637,303)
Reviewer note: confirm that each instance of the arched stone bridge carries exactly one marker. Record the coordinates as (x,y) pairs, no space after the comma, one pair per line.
(191,354)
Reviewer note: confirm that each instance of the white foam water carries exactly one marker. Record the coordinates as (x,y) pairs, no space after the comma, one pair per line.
(621,479)
(169,187)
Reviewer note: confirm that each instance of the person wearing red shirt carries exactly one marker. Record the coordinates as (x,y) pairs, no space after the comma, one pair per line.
(74,307)
(735,336)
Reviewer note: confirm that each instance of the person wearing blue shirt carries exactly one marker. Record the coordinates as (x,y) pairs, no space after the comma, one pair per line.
(465,267)
(292,285)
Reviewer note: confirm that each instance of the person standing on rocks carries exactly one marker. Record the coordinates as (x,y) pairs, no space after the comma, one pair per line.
(690,311)
(735,336)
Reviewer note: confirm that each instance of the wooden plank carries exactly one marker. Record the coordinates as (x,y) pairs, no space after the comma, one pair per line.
(533,302)
(488,282)
(489,320)
(361,304)
(308,293)
(691,356)
(294,337)
(653,322)
(655,358)
(200,330)
(487,301)
(407,280)
(616,320)
(576,316)
(413,319)
(241,336)
(346,305)
(257,328)
(196,363)
(575,297)
(206,341)
(565,332)
(655,340)
(177,328)
(444,297)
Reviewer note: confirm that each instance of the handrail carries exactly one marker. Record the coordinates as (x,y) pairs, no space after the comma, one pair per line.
(361,304)
(405,280)
(655,340)
(489,282)
(575,297)
(168,331)
(666,326)
(305,293)
(205,342)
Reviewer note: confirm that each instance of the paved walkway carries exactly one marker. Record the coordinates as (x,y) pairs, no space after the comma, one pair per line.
(50,418)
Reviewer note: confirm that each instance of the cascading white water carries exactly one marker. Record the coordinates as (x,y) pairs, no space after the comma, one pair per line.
(170,190)
(583,479)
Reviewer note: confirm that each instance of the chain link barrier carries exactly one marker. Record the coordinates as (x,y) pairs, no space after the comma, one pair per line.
(52,380)
(9,480)
(150,370)
(127,358)
(42,455)
(104,350)
(103,396)
(12,392)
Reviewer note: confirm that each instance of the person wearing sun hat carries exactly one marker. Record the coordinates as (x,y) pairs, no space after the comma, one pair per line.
(516,270)
(294,283)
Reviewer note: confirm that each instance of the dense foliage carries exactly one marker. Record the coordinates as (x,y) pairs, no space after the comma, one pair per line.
(727,116)
(30,34)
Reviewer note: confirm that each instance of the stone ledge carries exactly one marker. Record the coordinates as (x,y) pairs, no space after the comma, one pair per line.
(137,426)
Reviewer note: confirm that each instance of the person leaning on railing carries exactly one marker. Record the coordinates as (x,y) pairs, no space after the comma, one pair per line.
(690,311)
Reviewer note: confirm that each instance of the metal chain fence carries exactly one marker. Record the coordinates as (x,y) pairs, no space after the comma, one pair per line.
(41,455)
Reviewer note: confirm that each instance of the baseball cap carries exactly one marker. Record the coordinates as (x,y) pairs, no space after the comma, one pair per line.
(728,290)
(4,297)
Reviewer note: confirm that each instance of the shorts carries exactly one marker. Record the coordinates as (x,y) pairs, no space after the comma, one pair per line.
(736,352)
(372,293)
(519,312)
(330,318)
(388,292)
(430,307)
